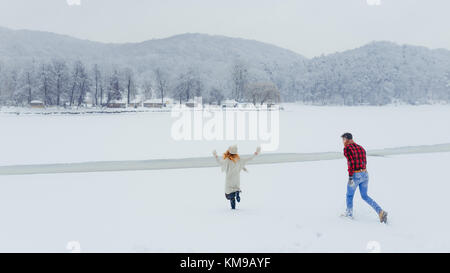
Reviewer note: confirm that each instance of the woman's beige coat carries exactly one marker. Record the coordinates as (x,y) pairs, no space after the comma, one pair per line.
(233,172)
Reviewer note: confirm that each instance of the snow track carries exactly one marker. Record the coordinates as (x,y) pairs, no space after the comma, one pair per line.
(201,162)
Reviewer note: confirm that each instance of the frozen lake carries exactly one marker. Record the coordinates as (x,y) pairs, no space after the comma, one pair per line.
(30,139)
(292,207)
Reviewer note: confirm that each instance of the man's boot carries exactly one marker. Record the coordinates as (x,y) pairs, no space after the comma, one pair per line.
(347,214)
(383,216)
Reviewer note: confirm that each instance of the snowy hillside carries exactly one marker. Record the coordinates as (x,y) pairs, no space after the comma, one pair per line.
(211,56)
(378,73)
(24,44)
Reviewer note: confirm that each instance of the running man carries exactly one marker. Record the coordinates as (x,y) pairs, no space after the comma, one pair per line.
(358,177)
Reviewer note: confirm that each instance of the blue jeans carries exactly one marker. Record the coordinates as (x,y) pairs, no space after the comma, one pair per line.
(362,180)
(231,197)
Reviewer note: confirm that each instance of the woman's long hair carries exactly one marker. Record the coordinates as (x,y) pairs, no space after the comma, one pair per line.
(232,157)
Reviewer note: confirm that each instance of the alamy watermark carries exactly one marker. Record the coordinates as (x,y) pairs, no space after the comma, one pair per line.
(214,123)
(373,247)
(73,246)
(73,2)
(373,2)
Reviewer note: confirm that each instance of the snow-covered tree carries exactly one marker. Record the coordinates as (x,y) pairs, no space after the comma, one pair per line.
(46,83)
(115,88)
(162,85)
(215,96)
(189,85)
(240,80)
(130,83)
(97,85)
(60,79)
(260,93)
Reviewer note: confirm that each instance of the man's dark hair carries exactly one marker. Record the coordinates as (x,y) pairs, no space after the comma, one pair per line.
(347,136)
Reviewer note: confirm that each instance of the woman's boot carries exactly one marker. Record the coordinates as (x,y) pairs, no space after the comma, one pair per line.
(233,203)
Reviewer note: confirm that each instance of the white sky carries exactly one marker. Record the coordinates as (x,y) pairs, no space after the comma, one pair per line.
(309,27)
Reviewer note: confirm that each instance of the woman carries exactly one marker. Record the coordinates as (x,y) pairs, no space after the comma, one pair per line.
(232,165)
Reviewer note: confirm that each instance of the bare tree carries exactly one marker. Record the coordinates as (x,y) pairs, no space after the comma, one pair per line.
(189,85)
(29,84)
(216,96)
(131,85)
(179,91)
(11,85)
(148,90)
(84,85)
(103,84)
(115,91)
(45,75)
(60,74)
(98,85)
(75,81)
(263,93)
(240,80)
(161,83)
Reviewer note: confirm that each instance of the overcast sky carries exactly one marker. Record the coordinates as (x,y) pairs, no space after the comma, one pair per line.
(309,27)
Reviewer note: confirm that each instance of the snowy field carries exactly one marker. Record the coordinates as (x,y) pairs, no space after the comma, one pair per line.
(292,207)
(285,208)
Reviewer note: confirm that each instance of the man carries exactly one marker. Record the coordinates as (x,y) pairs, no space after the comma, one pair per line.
(358,177)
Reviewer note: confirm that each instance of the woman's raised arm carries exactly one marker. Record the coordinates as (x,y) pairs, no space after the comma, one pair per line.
(257,152)
(220,162)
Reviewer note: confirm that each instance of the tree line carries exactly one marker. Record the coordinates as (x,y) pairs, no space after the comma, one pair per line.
(377,74)
(74,84)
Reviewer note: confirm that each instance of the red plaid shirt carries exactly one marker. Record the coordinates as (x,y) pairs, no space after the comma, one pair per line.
(356,158)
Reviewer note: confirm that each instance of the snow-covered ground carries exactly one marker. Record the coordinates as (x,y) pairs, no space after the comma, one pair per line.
(285,208)
(291,207)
